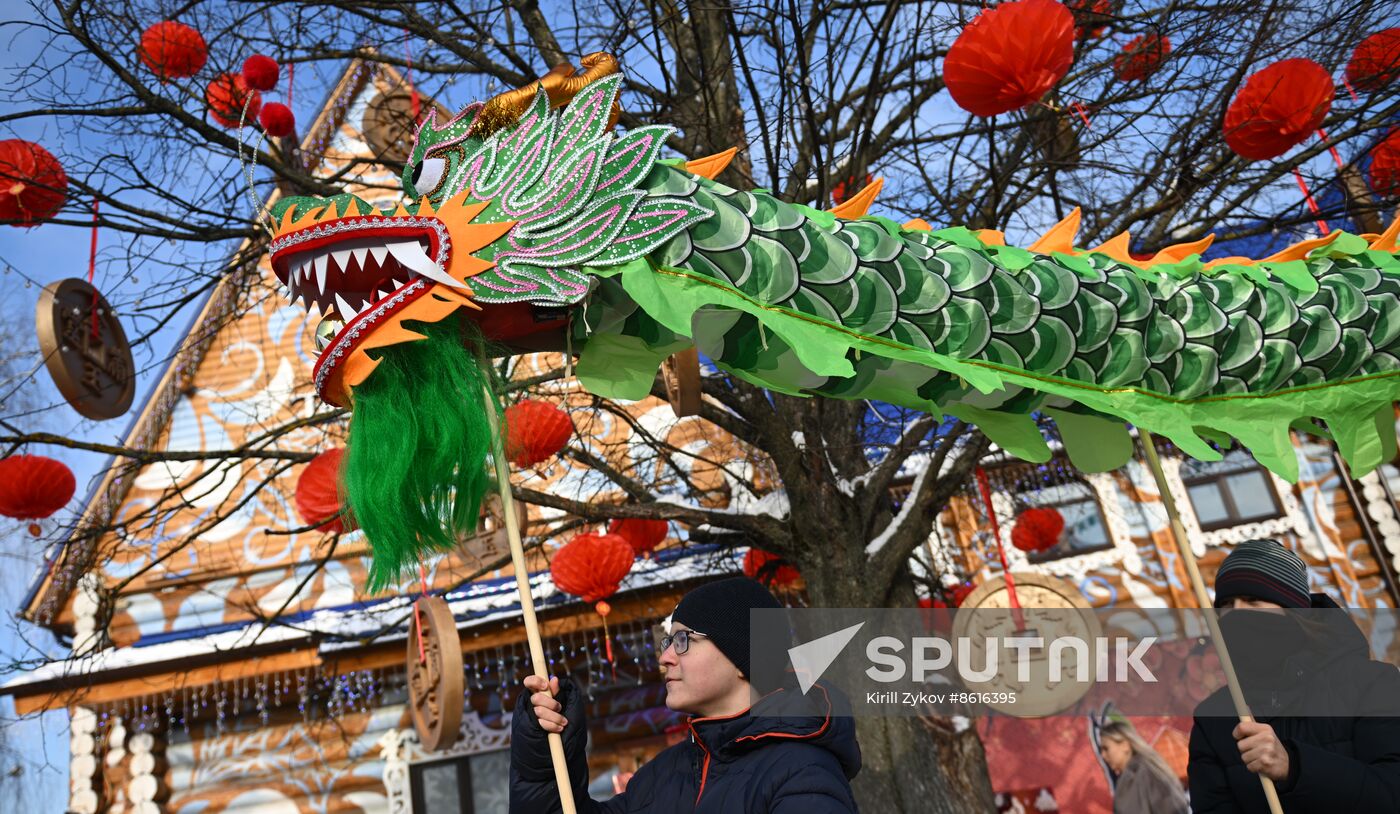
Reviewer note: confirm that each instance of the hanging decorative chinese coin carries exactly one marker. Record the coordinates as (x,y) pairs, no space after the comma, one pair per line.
(85,349)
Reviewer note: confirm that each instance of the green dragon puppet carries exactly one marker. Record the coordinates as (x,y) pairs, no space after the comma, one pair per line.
(531,219)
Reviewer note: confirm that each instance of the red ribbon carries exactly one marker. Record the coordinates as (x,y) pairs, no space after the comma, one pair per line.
(1336,156)
(423,581)
(1079,108)
(1349,90)
(1312,204)
(408,77)
(1001,551)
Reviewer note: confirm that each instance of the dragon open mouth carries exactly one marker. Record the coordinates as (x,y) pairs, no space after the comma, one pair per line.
(351,265)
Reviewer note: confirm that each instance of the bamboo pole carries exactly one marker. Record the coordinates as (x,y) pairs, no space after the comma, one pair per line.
(1198,586)
(527,600)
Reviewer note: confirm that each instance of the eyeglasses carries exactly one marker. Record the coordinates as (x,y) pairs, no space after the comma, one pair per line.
(681,639)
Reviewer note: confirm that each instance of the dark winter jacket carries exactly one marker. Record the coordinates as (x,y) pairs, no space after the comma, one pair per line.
(1143,791)
(1339,760)
(742,763)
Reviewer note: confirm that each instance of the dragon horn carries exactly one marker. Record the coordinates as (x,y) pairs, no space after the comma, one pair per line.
(561,84)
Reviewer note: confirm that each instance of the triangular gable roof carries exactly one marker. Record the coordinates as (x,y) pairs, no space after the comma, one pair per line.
(52,588)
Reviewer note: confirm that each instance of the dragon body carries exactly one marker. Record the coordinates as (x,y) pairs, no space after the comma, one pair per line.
(549,225)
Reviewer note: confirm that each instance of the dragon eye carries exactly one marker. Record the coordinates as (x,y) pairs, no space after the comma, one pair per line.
(428,174)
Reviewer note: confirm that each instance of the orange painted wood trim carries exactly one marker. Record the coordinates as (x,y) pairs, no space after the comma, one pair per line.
(163,682)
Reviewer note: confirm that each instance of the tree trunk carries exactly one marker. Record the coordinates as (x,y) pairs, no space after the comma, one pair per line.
(906,769)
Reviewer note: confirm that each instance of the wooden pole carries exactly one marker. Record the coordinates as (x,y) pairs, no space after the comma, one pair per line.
(1198,586)
(527,600)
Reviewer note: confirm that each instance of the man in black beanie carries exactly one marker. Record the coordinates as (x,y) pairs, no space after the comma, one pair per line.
(733,761)
(1322,731)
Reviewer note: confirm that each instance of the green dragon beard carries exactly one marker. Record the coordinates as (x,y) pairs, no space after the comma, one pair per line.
(415,472)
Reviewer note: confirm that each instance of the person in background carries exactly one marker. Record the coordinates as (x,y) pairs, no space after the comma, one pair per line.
(732,762)
(1146,784)
(1325,729)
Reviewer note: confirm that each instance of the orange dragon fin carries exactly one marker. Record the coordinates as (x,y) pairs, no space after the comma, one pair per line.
(1060,238)
(711,165)
(858,204)
(1386,241)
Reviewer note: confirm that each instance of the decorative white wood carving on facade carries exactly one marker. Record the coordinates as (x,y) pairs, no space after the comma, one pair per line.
(401,748)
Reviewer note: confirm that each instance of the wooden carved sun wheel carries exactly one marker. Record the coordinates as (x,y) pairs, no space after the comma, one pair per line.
(681,373)
(388,126)
(1056,135)
(435,679)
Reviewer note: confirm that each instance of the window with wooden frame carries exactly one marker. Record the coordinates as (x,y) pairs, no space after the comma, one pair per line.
(1230,492)
(1086,528)
(475,784)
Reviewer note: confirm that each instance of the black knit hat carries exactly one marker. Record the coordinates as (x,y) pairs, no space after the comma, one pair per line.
(1263,569)
(720,610)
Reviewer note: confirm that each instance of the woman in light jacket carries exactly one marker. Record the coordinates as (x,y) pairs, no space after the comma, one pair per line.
(1146,784)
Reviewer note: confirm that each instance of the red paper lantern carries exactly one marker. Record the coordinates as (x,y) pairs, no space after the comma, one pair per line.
(937,614)
(32,183)
(226,96)
(1037,529)
(847,188)
(592,566)
(173,50)
(260,72)
(642,535)
(1385,165)
(535,431)
(1010,56)
(1141,57)
(1278,108)
(1376,61)
(319,493)
(770,569)
(1093,16)
(33,487)
(277,120)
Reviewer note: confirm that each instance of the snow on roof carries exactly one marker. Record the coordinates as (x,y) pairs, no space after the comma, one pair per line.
(474,604)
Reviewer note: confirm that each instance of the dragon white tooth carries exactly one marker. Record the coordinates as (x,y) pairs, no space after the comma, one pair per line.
(322,261)
(412,256)
(347,311)
(360,255)
(379,253)
(342,258)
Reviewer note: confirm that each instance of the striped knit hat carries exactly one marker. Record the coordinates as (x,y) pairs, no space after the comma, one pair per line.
(1263,569)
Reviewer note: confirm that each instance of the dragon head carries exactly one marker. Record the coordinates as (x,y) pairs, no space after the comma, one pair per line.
(507,205)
